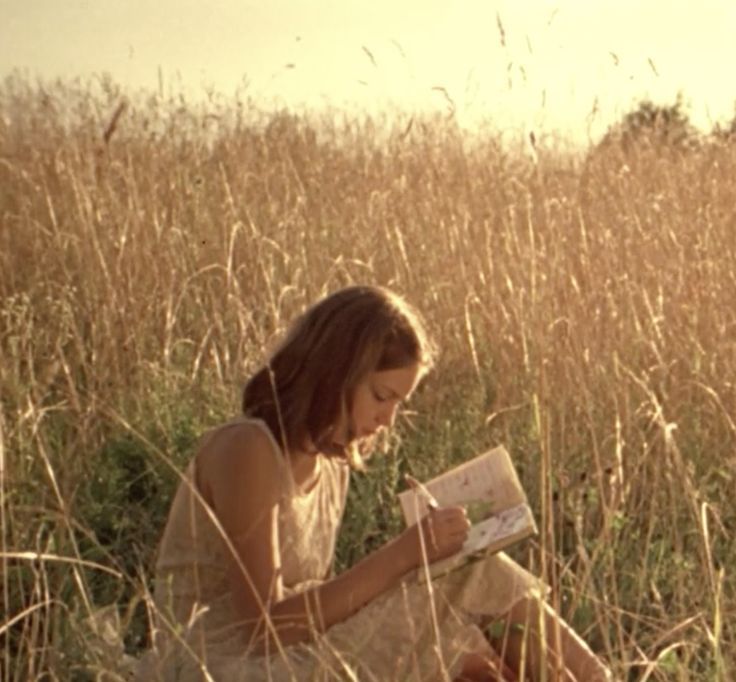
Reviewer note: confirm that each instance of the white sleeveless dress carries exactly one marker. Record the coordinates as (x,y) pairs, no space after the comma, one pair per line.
(412,632)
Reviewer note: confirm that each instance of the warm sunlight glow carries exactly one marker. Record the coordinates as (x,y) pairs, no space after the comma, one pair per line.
(568,67)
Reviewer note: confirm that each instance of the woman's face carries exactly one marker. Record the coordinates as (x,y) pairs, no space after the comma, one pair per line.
(376,400)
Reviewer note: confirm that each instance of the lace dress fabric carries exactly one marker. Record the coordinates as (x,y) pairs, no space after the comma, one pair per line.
(416,631)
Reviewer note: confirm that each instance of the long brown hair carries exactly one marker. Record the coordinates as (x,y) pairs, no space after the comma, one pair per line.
(308,382)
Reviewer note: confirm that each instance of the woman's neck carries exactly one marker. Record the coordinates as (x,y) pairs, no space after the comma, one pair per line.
(306,468)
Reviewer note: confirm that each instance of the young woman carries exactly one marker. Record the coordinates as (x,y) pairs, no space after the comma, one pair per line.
(244,589)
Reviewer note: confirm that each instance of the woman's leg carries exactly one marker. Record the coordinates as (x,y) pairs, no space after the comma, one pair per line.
(485,668)
(565,655)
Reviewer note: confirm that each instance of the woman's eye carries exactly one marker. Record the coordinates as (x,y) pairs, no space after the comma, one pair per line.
(380,398)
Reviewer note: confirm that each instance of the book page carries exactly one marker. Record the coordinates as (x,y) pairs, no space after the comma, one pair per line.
(489,489)
(490,536)
(489,478)
(506,523)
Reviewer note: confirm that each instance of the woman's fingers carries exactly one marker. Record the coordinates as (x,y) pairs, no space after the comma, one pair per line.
(454,519)
(447,530)
(442,532)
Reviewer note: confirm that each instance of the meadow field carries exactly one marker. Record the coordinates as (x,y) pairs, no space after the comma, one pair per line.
(584,306)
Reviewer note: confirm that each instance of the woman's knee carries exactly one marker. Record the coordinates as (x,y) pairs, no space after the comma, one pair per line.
(484,668)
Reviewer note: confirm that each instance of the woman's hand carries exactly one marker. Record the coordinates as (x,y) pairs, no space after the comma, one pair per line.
(440,534)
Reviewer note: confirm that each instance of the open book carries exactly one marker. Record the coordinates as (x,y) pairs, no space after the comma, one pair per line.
(488,487)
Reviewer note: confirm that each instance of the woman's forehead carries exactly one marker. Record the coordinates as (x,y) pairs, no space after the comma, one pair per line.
(401,381)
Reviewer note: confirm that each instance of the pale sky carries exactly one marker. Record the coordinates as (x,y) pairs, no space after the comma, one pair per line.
(557,65)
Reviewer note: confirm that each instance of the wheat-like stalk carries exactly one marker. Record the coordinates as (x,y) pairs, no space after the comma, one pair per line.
(583,303)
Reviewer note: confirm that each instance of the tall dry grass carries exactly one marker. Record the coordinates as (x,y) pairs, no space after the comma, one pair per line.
(584,307)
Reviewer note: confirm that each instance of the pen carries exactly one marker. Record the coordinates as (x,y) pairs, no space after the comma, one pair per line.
(422,491)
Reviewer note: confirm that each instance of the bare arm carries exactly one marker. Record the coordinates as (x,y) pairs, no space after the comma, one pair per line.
(242,479)
(297,617)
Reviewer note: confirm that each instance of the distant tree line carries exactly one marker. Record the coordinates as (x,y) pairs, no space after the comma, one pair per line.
(663,125)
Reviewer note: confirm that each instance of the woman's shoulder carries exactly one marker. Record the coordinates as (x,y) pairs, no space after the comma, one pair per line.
(244,430)
(241,450)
